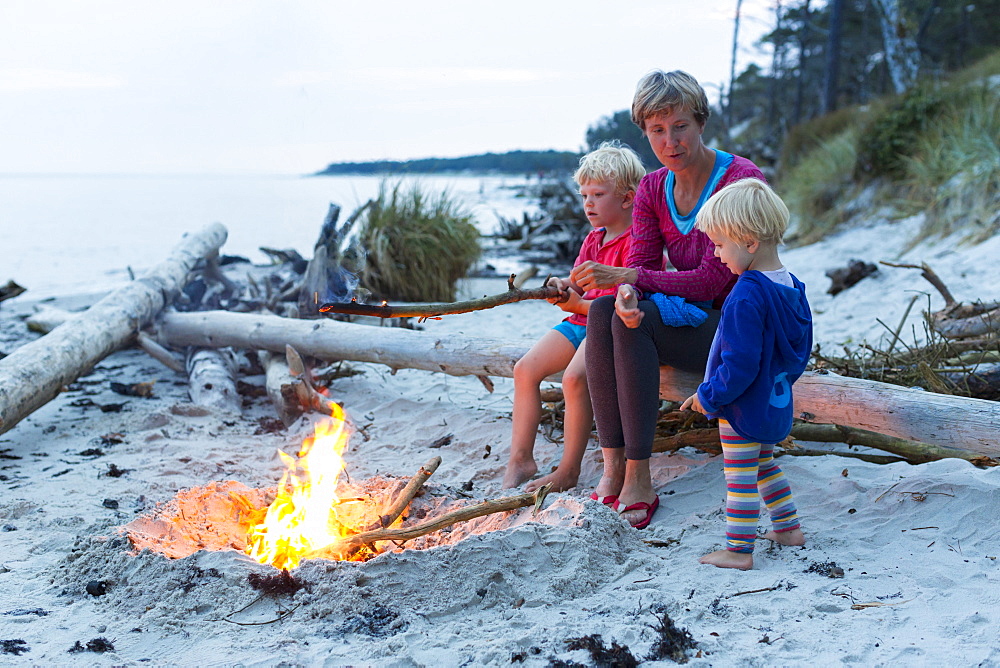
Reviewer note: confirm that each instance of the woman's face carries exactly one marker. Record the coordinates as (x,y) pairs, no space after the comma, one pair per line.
(675,138)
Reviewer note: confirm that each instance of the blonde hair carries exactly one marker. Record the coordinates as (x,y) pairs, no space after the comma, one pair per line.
(747,210)
(612,162)
(664,92)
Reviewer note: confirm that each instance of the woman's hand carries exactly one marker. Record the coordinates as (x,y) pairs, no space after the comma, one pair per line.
(627,306)
(591,275)
(693,403)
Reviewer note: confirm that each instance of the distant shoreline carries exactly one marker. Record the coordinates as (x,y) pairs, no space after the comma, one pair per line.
(511,162)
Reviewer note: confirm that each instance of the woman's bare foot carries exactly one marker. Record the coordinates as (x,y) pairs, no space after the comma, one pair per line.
(518,472)
(794,537)
(608,486)
(728,559)
(561,481)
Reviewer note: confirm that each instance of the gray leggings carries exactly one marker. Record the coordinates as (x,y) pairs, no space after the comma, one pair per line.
(623,370)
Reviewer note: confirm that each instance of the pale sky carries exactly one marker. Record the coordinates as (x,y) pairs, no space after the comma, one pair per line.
(253,86)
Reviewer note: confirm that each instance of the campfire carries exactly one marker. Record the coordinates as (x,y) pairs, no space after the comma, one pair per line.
(312,514)
(307,515)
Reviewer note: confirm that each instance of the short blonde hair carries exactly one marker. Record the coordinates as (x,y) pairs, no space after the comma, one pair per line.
(663,92)
(747,210)
(611,162)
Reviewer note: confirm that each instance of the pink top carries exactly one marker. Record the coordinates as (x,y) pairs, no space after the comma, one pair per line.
(700,276)
(612,253)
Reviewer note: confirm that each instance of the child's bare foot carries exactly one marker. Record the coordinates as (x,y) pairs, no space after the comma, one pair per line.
(728,559)
(560,482)
(794,537)
(518,472)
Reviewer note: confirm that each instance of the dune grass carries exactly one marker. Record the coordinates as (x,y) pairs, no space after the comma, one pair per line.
(934,149)
(414,245)
(954,173)
(819,182)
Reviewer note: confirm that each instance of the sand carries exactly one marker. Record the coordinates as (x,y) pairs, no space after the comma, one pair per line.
(900,565)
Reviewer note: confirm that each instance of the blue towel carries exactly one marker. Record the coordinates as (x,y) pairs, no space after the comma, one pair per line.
(675,312)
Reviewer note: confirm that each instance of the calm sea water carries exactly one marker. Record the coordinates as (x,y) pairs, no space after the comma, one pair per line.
(68,234)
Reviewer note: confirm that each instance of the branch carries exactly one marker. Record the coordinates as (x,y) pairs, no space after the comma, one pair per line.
(512,295)
(351,544)
(933,278)
(404,498)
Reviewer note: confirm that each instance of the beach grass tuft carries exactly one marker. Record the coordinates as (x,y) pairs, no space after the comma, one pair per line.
(415,245)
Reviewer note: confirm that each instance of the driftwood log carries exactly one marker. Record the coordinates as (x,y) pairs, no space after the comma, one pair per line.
(35,373)
(956,422)
(212,379)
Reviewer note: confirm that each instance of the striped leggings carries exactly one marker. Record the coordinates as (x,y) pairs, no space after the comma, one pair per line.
(752,474)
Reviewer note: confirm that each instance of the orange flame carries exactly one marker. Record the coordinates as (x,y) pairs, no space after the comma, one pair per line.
(303,517)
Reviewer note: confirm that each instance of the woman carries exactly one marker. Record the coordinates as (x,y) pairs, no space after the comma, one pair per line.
(627,340)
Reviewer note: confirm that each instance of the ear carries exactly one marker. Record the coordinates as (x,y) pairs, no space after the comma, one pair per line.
(752,246)
(628,199)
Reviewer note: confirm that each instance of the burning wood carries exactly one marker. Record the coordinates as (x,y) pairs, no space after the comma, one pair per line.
(353,544)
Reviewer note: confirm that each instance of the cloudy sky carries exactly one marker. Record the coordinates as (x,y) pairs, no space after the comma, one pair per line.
(253,86)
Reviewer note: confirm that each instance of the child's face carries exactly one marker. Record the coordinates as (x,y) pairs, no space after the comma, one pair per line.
(736,255)
(605,208)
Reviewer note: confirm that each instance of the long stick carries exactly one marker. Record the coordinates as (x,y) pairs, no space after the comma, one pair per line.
(512,295)
(353,543)
(404,498)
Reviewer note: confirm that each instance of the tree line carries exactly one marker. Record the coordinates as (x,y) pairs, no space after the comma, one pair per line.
(511,162)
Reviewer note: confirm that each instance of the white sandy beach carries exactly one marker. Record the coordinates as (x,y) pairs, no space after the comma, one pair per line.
(917,545)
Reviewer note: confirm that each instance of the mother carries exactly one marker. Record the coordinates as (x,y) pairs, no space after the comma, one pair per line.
(627,340)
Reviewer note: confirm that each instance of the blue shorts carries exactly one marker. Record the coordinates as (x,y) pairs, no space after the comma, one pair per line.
(575,333)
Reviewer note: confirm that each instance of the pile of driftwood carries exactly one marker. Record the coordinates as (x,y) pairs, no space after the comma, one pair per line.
(554,235)
(960,354)
(161,312)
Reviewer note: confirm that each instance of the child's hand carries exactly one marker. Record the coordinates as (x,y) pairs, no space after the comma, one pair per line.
(693,403)
(564,288)
(571,302)
(627,306)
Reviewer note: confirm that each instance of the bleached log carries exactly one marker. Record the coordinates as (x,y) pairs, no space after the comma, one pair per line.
(35,373)
(912,414)
(46,318)
(158,352)
(212,380)
(332,340)
(967,424)
(280,386)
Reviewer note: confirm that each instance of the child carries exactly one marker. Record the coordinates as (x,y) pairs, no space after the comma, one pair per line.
(761,347)
(608,177)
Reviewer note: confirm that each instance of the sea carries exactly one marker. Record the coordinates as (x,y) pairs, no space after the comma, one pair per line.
(62,235)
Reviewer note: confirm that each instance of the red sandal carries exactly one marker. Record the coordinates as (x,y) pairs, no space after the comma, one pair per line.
(650,508)
(609,500)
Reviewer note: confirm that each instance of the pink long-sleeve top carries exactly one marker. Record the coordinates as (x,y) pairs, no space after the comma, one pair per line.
(699,275)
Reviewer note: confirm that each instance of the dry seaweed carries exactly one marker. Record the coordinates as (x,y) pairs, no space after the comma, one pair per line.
(275,585)
(671,642)
(615,656)
(98,645)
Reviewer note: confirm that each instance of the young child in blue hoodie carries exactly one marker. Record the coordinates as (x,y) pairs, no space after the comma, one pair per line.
(761,347)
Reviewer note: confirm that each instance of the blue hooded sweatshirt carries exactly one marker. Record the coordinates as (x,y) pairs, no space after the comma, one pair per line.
(761,347)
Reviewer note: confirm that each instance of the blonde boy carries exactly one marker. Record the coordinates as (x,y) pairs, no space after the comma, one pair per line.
(761,347)
(608,177)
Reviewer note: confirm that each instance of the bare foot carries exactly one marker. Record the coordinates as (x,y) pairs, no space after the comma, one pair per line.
(608,486)
(560,482)
(793,537)
(518,472)
(728,559)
